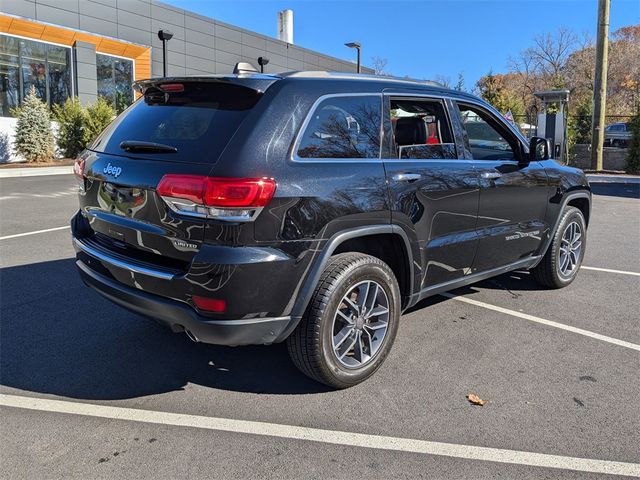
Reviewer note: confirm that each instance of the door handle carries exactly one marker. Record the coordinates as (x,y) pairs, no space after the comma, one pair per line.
(406,177)
(490,175)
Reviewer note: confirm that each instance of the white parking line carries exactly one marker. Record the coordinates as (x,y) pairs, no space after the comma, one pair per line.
(7,237)
(609,270)
(325,436)
(550,323)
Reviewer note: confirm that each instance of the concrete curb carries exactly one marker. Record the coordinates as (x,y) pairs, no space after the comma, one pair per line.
(35,171)
(593,178)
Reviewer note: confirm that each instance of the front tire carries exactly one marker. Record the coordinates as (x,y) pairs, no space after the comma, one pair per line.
(560,265)
(350,323)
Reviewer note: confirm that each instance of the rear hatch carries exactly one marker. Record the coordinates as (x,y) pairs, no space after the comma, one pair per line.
(180,126)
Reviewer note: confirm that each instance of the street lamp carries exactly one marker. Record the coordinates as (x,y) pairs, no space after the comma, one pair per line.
(262,61)
(355,45)
(165,36)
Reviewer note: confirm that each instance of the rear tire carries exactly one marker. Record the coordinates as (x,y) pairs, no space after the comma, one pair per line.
(560,265)
(350,323)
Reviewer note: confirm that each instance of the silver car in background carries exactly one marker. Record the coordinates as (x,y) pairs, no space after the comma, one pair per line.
(617,135)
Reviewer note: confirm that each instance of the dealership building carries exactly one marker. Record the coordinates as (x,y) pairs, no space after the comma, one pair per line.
(92,48)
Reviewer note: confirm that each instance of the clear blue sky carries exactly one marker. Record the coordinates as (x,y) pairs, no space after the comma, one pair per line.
(420,38)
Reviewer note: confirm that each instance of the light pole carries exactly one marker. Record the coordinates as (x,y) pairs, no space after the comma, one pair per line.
(357,46)
(262,61)
(165,36)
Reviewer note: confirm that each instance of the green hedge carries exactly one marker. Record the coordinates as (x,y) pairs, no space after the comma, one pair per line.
(79,126)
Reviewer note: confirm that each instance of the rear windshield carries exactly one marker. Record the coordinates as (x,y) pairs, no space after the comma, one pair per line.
(196,119)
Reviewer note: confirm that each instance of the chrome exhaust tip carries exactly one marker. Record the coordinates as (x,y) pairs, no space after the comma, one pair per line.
(191,336)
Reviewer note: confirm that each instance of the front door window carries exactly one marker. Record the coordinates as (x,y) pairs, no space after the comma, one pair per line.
(487,140)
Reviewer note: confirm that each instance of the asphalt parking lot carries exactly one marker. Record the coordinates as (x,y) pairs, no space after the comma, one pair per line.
(89,390)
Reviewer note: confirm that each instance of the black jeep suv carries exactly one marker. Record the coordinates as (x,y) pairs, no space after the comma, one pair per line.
(314,208)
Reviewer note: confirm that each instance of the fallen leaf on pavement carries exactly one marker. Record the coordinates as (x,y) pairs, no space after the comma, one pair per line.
(476,400)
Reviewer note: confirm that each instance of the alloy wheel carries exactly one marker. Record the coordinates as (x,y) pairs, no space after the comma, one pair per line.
(360,324)
(570,250)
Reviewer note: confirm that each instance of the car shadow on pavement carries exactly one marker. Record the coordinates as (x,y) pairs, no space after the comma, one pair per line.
(59,337)
(512,282)
(615,189)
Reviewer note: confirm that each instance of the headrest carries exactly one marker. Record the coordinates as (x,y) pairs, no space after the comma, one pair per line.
(411,131)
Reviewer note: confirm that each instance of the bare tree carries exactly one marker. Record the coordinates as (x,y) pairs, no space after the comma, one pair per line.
(550,52)
(566,60)
(460,83)
(379,65)
(443,80)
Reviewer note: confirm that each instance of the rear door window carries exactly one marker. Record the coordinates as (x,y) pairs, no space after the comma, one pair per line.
(196,119)
(343,127)
(421,129)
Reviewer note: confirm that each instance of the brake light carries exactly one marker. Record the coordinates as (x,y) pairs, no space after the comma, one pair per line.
(189,187)
(233,199)
(172,87)
(243,192)
(209,304)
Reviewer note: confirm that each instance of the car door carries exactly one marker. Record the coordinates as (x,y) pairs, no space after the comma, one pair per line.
(433,188)
(513,191)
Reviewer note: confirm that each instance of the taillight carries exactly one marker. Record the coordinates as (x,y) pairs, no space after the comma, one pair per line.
(232,199)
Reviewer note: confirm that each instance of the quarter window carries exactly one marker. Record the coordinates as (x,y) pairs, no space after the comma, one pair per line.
(421,129)
(343,127)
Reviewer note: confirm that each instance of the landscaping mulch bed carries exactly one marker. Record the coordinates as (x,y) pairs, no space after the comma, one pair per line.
(64,162)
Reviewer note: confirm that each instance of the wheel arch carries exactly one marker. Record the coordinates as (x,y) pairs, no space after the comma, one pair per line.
(582,203)
(579,199)
(360,239)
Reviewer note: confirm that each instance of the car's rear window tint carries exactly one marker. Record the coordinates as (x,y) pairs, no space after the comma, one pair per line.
(343,127)
(198,121)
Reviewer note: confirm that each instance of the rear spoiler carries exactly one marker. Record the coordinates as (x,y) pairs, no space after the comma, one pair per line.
(257,82)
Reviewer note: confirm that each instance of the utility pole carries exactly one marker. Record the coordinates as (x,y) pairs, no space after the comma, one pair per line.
(600,85)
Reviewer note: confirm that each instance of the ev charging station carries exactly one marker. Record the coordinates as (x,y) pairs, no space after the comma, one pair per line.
(552,121)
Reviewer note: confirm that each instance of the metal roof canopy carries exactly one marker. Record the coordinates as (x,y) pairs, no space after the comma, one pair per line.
(553,96)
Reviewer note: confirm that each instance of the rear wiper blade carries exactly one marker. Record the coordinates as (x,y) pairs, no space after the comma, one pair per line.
(138,146)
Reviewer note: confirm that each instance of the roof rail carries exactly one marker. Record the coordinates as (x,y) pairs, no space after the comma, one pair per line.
(356,76)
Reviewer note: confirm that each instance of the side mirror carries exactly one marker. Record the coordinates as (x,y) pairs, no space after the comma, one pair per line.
(539,149)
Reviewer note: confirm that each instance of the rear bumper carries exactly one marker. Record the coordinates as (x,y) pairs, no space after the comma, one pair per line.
(181,317)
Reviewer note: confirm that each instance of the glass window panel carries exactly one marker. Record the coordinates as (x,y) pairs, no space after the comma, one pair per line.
(106,85)
(9,75)
(199,122)
(421,129)
(485,140)
(115,76)
(34,67)
(9,45)
(123,70)
(41,65)
(343,127)
(59,61)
